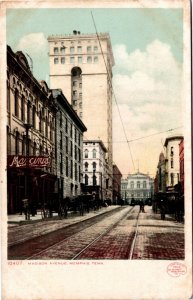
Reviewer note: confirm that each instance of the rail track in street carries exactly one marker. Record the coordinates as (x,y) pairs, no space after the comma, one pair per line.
(27,248)
(79,245)
(122,234)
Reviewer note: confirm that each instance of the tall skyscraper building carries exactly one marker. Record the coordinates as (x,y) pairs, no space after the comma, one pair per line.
(81,65)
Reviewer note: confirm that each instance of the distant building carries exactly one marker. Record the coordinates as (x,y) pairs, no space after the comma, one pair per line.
(95,177)
(172,161)
(161,174)
(69,145)
(116,185)
(136,187)
(77,67)
(181,155)
(31,111)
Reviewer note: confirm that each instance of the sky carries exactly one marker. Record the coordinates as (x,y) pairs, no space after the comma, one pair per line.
(147,77)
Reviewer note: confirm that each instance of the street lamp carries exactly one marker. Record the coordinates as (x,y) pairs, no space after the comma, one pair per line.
(26,200)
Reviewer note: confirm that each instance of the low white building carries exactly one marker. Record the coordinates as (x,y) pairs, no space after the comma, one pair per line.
(172,160)
(137,187)
(95,178)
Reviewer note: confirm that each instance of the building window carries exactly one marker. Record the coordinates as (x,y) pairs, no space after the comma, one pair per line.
(62,50)
(71,149)
(95,48)
(89,59)
(79,59)
(16,103)
(29,113)
(94,180)
(89,49)
(55,50)
(34,116)
(80,85)
(96,59)
(66,144)
(75,171)
(71,169)
(72,59)
(172,178)
(80,114)
(74,102)
(74,95)
(172,163)
(17,143)
(67,166)
(86,154)
(60,119)
(66,127)
(61,163)
(86,179)
(144,184)
(79,49)
(132,185)
(8,96)
(71,130)
(138,184)
(94,153)
(86,166)
(71,49)
(61,146)
(74,83)
(80,104)
(94,165)
(56,60)
(172,151)
(62,60)
(80,95)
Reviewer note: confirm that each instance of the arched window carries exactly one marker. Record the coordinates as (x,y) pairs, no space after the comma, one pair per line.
(94,165)
(144,184)
(86,179)
(94,153)
(132,185)
(34,116)
(23,109)
(138,184)
(86,167)
(16,103)
(86,153)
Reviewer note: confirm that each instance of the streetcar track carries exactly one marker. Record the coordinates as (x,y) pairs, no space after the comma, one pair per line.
(134,239)
(101,235)
(22,241)
(65,230)
(85,248)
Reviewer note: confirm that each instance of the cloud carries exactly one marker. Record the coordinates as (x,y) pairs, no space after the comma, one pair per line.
(33,43)
(147,86)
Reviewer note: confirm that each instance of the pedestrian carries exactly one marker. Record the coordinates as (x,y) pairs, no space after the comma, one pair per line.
(162,210)
(141,206)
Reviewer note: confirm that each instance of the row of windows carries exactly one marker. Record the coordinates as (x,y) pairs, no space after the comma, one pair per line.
(135,195)
(72,49)
(86,153)
(77,152)
(86,165)
(92,180)
(72,60)
(69,129)
(34,148)
(69,168)
(138,185)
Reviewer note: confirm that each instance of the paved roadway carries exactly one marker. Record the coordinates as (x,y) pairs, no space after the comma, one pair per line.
(108,237)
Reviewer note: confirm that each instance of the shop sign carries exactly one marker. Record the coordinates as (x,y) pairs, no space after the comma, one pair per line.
(19,161)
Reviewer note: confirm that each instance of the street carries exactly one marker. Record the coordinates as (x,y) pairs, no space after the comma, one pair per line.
(111,233)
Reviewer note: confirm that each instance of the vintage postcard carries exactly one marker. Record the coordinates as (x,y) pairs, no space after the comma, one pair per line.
(96,157)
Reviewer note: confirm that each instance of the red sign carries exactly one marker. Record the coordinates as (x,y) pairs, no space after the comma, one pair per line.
(19,161)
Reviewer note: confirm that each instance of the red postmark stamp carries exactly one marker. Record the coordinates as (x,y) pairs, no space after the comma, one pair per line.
(176,269)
